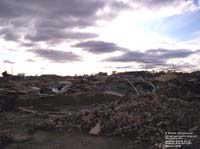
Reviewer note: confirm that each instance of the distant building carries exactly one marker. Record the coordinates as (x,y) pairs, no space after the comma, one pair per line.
(102,74)
(21,74)
(134,74)
(49,75)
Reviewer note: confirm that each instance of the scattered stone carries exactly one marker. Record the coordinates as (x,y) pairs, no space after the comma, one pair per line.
(95,130)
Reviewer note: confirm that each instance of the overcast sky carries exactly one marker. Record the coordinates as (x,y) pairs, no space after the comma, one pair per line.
(68,37)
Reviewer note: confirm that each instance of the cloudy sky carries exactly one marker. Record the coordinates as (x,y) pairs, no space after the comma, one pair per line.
(68,37)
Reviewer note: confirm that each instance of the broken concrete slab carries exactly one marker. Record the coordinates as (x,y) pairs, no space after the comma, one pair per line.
(95,130)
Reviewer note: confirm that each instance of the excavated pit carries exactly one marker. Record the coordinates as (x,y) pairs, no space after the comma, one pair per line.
(58,102)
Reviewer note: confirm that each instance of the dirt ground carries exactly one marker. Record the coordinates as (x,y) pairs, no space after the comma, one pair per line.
(50,140)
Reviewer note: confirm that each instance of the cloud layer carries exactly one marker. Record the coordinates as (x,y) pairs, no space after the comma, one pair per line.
(56,56)
(153,57)
(7,61)
(56,36)
(47,20)
(99,47)
(40,26)
(55,20)
(156,5)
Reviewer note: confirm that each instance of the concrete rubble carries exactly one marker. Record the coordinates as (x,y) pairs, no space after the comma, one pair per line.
(140,105)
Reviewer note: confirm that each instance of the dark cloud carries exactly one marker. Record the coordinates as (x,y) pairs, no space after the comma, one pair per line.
(118,67)
(71,9)
(48,20)
(9,34)
(131,56)
(10,37)
(99,47)
(54,21)
(124,67)
(152,57)
(28,44)
(49,8)
(8,9)
(64,23)
(169,54)
(119,6)
(8,61)
(56,56)
(167,66)
(30,60)
(52,35)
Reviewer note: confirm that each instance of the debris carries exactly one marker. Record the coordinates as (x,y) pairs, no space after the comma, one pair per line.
(143,107)
(113,93)
(27,110)
(5,74)
(150,83)
(133,86)
(95,130)
(18,137)
(62,87)
(166,77)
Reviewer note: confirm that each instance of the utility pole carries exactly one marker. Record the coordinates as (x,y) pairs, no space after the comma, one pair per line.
(11,67)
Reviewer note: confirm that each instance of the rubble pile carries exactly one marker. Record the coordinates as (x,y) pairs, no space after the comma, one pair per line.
(5,138)
(142,107)
(144,117)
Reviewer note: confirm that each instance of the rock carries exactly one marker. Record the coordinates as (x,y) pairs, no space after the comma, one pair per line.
(95,130)
(21,138)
